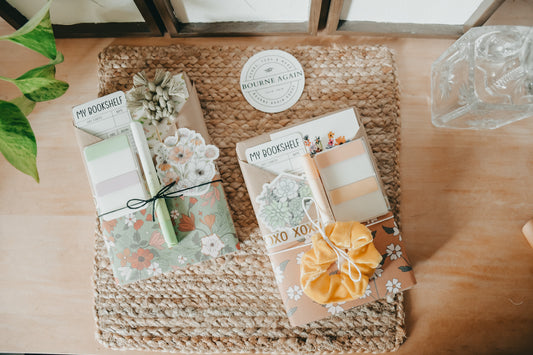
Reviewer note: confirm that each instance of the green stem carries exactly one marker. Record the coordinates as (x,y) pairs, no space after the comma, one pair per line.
(7,79)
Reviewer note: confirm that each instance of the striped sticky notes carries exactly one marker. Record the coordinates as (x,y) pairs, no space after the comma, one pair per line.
(114,175)
(351,182)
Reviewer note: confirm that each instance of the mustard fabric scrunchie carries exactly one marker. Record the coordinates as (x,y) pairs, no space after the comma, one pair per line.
(356,240)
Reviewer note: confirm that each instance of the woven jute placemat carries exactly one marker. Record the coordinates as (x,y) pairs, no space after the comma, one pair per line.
(232,304)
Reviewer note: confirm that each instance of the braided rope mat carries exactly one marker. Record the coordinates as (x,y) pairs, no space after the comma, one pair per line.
(232,304)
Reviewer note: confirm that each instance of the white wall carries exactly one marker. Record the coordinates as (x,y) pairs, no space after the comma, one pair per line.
(68,12)
(452,12)
(241,10)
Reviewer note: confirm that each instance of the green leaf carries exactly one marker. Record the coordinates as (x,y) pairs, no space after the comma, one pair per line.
(283,265)
(37,34)
(24,104)
(291,311)
(405,268)
(388,230)
(17,141)
(41,89)
(47,71)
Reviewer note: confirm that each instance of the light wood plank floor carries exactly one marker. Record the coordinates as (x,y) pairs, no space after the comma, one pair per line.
(466,194)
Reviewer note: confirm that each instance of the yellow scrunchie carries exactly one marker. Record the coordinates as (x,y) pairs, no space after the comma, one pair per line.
(356,240)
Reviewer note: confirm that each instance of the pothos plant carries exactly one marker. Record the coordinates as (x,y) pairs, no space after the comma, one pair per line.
(17,141)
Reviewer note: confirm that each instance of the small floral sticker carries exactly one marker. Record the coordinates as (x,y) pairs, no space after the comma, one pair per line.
(394,251)
(280,202)
(295,292)
(185,159)
(181,259)
(211,245)
(393,286)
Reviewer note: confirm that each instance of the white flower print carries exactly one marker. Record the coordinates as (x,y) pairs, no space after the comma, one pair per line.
(130,220)
(174,214)
(125,272)
(377,272)
(367,292)
(295,292)
(109,243)
(154,269)
(394,251)
(182,259)
(397,231)
(279,274)
(335,309)
(211,245)
(393,286)
(299,258)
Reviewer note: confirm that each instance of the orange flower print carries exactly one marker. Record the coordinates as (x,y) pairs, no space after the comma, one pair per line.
(192,201)
(138,224)
(109,225)
(164,167)
(169,177)
(123,257)
(209,220)
(340,140)
(180,154)
(157,240)
(141,259)
(187,223)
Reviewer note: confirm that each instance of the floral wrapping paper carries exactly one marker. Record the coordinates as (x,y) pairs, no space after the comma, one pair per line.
(203,226)
(393,275)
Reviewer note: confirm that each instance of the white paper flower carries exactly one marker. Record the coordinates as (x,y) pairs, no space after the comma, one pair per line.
(299,257)
(393,286)
(334,309)
(211,245)
(174,214)
(295,292)
(181,259)
(130,220)
(199,171)
(154,269)
(394,251)
(367,293)
(278,273)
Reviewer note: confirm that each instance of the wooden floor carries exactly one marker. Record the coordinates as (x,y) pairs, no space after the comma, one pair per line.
(466,194)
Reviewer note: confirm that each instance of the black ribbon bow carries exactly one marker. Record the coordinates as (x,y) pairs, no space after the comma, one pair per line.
(163,193)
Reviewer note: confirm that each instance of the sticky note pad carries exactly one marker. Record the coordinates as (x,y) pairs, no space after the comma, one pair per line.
(115,176)
(351,182)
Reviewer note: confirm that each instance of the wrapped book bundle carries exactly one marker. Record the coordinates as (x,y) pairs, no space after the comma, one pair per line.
(322,210)
(154,179)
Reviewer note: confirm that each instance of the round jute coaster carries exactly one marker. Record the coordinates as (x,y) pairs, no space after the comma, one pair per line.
(232,304)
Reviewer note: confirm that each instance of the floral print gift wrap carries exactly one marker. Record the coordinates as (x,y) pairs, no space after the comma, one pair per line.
(282,204)
(180,148)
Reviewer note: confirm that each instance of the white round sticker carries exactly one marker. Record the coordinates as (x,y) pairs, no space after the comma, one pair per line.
(272,81)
